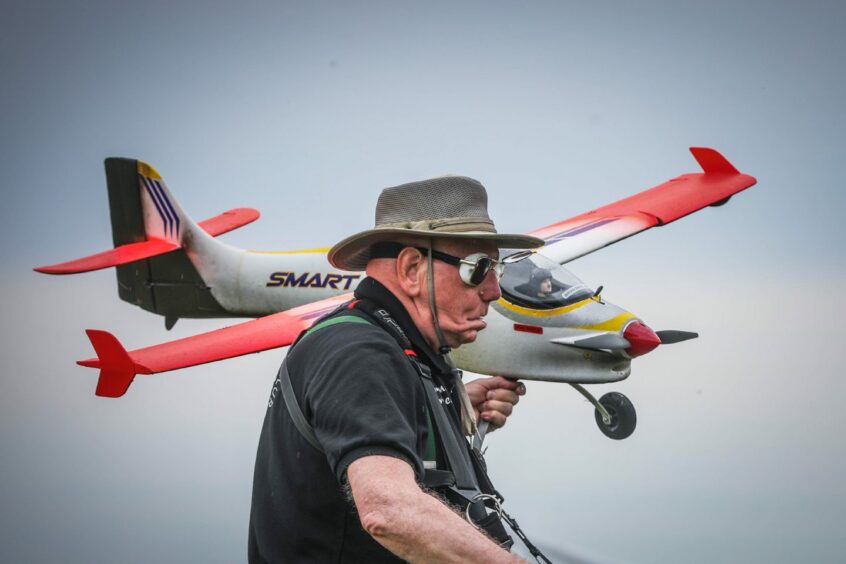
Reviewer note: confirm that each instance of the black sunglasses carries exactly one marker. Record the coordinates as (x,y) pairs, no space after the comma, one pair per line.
(472,269)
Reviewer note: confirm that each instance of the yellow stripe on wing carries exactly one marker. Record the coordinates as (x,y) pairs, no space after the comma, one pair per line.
(322,250)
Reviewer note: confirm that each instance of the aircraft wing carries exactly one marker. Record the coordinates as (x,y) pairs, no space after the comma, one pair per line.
(663,204)
(119,367)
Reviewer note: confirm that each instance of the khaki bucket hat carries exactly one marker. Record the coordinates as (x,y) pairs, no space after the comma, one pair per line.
(454,207)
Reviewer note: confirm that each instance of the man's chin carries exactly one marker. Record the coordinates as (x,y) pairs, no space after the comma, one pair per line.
(466,337)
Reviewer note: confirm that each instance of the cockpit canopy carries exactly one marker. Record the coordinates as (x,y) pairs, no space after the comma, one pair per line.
(539,283)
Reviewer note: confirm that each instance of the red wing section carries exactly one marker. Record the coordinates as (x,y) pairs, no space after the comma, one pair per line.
(665,203)
(118,367)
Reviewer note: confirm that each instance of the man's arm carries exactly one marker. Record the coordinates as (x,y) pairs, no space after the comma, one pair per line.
(412,524)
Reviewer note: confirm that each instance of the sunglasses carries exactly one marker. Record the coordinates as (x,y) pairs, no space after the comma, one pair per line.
(472,269)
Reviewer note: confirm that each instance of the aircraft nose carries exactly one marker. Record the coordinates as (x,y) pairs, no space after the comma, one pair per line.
(641,338)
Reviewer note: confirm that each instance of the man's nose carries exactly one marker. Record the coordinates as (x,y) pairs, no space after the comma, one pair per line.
(490,291)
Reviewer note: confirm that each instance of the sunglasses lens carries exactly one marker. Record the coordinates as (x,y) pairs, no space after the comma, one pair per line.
(474,268)
(479,272)
(483,266)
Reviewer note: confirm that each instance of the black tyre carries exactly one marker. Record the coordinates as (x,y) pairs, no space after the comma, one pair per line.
(623,416)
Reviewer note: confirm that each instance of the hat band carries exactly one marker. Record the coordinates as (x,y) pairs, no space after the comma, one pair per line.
(450,225)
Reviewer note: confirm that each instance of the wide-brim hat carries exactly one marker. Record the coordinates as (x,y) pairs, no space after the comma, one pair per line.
(448,207)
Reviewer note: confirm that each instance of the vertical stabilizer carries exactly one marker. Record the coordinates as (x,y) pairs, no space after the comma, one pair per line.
(142,207)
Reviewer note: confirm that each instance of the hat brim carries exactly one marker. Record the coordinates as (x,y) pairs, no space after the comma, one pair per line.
(353,253)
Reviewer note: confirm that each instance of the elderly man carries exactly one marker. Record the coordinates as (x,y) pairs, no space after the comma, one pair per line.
(366,458)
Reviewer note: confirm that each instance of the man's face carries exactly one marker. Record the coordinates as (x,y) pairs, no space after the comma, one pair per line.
(462,307)
(545,287)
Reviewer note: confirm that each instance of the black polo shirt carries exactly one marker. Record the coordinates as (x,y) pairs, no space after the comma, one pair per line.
(362,396)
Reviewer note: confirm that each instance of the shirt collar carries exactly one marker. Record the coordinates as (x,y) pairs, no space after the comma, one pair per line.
(372,289)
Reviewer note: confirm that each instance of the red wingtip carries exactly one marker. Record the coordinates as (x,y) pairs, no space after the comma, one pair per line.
(116,367)
(712,162)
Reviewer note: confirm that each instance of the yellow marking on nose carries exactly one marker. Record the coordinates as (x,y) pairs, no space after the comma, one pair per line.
(614,324)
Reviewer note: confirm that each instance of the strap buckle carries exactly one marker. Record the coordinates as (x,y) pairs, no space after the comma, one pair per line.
(482,497)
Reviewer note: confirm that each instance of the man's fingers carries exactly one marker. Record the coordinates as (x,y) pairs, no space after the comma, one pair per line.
(503,407)
(502,382)
(495,418)
(503,395)
(495,398)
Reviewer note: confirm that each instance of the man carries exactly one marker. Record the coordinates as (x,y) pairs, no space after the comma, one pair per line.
(372,406)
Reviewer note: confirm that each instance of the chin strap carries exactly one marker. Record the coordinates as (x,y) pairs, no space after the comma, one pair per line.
(468,421)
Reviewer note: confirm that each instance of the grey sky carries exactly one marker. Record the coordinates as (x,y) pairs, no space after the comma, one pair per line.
(305,110)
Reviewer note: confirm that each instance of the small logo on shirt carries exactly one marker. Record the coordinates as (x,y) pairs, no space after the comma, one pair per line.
(443,395)
(274,391)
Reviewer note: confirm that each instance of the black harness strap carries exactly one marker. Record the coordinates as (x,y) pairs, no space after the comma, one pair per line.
(300,422)
(458,457)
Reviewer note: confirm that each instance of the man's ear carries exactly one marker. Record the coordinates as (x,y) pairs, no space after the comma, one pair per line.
(411,271)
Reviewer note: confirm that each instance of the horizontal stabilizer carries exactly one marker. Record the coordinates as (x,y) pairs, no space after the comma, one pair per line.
(119,255)
(229,220)
(124,254)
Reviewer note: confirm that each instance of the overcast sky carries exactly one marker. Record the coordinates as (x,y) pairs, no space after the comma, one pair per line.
(305,111)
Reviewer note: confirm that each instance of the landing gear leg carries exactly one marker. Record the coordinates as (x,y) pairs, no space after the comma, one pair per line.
(615,414)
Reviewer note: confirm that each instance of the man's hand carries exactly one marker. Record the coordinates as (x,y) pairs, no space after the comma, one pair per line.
(494,398)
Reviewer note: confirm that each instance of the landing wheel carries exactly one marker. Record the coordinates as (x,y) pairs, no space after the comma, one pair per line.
(623,416)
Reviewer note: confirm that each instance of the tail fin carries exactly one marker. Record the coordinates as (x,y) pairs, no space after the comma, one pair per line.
(141,205)
(142,209)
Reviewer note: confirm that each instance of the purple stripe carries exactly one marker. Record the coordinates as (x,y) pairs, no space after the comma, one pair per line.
(580,229)
(314,314)
(157,189)
(169,205)
(154,197)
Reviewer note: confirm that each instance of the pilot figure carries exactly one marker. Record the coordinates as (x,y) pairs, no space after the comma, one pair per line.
(541,283)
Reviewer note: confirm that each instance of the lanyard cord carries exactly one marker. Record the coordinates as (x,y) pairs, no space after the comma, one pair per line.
(539,556)
(468,420)
(430,281)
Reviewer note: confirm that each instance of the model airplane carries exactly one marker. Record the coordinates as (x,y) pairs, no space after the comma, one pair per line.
(547,326)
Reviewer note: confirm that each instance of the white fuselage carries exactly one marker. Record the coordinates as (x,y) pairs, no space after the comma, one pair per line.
(254,284)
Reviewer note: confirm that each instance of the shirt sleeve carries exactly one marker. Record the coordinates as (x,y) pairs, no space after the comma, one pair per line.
(362,396)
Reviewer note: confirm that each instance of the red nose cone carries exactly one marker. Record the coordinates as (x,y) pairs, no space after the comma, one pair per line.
(642,339)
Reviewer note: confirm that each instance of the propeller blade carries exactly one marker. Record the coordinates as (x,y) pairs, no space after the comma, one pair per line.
(670,336)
